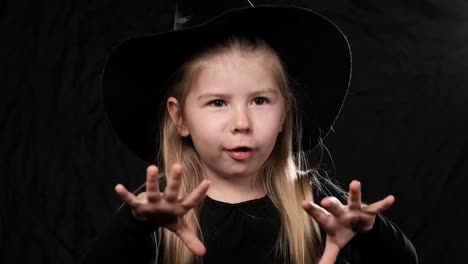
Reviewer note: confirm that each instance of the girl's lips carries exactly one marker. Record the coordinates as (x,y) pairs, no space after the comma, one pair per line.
(240,155)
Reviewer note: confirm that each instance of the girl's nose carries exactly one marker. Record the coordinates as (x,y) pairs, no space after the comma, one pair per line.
(241,122)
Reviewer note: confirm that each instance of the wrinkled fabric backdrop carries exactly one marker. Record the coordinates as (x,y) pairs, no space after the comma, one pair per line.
(402,131)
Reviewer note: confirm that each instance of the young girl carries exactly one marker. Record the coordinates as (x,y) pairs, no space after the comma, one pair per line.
(236,187)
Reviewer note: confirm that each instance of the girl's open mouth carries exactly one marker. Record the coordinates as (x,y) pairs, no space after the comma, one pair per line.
(240,153)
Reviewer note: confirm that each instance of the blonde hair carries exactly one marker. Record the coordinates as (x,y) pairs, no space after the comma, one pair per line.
(283,175)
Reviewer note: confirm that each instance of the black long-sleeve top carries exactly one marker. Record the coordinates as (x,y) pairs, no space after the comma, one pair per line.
(242,233)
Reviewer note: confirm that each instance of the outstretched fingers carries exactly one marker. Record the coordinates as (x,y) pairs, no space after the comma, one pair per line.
(380,206)
(318,213)
(152,184)
(354,198)
(196,195)
(171,193)
(125,195)
(333,205)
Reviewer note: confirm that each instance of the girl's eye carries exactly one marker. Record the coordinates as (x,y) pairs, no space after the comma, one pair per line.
(260,100)
(217,103)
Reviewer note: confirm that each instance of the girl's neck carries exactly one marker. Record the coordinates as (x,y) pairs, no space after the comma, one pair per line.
(233,192)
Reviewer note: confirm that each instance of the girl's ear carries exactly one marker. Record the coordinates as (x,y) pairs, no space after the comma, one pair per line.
(177,118)
(283,117)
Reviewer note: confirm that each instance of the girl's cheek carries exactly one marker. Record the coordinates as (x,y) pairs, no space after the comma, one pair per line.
(212,119)
(271,114)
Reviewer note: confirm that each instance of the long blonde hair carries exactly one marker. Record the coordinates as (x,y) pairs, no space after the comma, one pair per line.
(283,176)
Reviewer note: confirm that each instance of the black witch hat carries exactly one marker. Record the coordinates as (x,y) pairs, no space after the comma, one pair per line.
(313,49)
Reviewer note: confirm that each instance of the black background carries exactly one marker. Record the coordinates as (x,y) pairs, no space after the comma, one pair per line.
(403,129)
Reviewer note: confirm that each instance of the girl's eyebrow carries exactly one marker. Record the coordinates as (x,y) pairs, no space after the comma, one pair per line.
(268,90)
(224,95)
(208,95)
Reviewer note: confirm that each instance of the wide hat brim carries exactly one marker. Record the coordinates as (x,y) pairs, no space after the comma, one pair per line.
(314,50)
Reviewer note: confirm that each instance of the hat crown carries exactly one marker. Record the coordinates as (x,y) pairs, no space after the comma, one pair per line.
(190,13)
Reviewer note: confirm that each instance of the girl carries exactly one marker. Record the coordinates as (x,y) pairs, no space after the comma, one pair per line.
(237,188)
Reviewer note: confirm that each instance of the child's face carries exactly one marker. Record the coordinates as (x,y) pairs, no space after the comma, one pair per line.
(234,102)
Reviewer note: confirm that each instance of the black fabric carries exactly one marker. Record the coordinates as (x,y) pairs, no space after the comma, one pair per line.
(239,233)
(402,131)
(124,240)
(243,233)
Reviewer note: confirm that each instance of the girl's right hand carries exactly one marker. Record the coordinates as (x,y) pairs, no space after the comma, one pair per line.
(166,208)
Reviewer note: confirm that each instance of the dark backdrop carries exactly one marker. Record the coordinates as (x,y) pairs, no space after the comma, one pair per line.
(403,129)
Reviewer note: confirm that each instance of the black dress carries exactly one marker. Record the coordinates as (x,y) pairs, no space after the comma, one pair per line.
(242,233)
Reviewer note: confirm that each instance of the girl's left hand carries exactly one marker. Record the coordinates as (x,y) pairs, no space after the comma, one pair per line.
(343,222)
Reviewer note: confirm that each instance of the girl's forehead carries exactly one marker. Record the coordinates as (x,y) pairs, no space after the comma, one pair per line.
(234,72)
(235,55)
